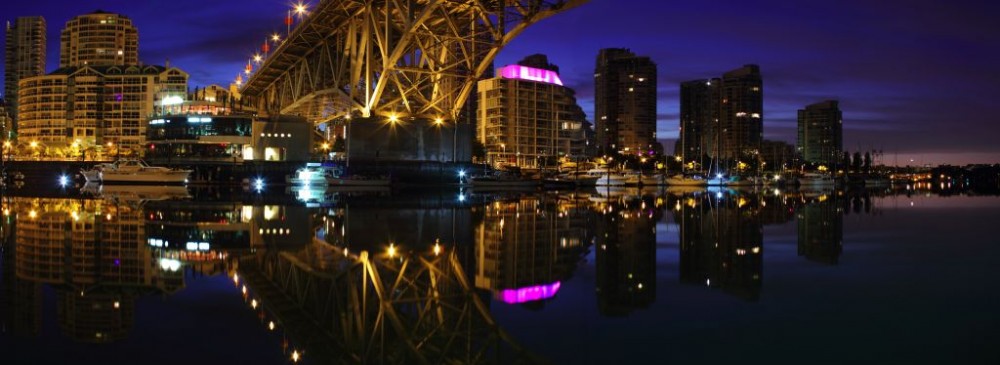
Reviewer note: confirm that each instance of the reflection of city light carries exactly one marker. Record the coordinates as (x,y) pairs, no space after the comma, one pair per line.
(270,325)
(437,249)
(236,278)
(32,214)
(756,249)
(117,304)
(529,294)
(296,356)
(392,250)
(253,303)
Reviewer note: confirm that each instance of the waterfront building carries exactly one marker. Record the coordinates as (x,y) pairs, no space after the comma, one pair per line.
(722,119)
(99,39)
(24,56)
(528,118)
(741,116)
(777,155)
(6,123)
(212,125)
(699,110)
(75,111)
(625,103)
(820,133)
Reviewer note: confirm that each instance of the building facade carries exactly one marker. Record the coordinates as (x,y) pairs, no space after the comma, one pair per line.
(741,115)
(78,109)
(528,118)
(820,132)
(24,56)
(698,112)
(99,39)
(625,102)
(722,119)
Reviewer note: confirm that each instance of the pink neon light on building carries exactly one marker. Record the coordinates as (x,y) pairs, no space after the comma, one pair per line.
(529,294)
(518,72)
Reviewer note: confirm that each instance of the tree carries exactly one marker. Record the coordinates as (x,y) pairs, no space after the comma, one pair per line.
(846,162)
(856,163)
(868,162)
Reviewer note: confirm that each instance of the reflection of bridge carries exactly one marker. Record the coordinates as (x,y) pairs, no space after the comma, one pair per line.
(345,307)
(416,58)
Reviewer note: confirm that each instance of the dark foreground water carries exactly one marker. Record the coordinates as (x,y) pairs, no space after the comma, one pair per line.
(132,275)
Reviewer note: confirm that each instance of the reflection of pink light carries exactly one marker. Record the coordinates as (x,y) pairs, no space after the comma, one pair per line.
(519,72)
(529,294)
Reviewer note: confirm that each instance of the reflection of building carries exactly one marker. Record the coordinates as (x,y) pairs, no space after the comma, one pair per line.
(20,300)
(94,255)
(821,230)
(525,248)
(24,55)
(528,118)
(94,108)
(626,257)
(625,102)
(820,138)
(96,317)
(721,243)
(99,39)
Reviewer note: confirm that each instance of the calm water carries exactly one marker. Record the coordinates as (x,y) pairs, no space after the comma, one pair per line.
(124,276)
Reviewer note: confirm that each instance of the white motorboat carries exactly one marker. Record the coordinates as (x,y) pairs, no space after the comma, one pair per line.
(655,179)
(614,178)
(134,171)
(315,175)
(816,179)
(577,178)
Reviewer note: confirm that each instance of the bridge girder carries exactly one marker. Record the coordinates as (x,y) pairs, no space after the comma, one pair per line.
(413,58)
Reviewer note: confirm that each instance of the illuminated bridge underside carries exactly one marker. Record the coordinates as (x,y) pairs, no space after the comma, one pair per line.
(365,309)
(415,58)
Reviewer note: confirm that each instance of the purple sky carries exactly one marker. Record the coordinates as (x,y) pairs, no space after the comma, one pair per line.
(915,78)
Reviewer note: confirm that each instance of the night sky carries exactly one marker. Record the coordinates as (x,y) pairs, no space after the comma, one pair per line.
(916,78)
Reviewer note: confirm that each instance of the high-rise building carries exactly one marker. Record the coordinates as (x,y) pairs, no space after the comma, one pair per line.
(625,102)
(821,135)
(528,118)
(24,56)
(99,39)
(699,110)
(741,115)
(722,118)
(76,109)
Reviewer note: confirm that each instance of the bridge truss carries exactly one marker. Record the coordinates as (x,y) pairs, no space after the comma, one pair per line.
(391,58)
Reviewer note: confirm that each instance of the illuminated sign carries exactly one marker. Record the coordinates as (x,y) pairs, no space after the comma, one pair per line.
(172,100)
(519,72)
(199,119)
(529,294)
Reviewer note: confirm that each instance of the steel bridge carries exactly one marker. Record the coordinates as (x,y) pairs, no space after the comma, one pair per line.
(396,308)
(390,58)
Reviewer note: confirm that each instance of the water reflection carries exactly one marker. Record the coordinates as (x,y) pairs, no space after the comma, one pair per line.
(395,278)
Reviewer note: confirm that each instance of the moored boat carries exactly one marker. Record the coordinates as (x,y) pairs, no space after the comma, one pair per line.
(686,180)
(816,179)
(134,171)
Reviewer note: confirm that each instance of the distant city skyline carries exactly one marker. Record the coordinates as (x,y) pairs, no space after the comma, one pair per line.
(914,79)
